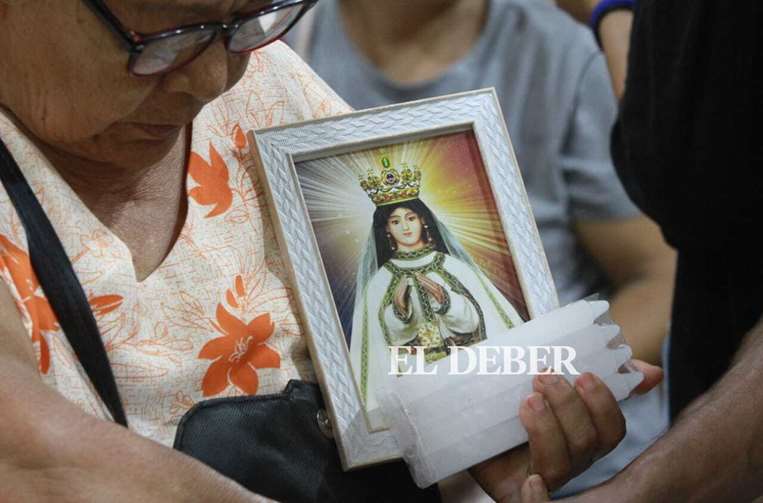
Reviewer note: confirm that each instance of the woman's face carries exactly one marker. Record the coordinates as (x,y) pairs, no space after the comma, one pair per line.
(405,226)
(65,76)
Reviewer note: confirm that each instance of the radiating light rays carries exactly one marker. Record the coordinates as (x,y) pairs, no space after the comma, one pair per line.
(458,192)
(454,185)
(332,190)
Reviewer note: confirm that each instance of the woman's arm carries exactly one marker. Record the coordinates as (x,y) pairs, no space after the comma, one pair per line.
(51,451)
(614,34)
(641,267)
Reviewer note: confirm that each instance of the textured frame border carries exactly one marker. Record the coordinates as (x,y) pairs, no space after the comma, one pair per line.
(281,147)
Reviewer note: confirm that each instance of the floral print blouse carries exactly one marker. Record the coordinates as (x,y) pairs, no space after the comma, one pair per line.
(218,317)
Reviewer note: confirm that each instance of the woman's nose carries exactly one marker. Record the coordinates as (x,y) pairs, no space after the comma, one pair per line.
(205,78)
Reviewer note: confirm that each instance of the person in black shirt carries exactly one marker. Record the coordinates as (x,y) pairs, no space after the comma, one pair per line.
(686,148)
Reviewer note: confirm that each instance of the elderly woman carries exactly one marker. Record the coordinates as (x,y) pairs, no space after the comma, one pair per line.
(131,122)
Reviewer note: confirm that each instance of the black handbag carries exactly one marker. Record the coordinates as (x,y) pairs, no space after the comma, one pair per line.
(278,445)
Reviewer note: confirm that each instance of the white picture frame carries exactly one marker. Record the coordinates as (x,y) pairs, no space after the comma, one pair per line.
(282,149)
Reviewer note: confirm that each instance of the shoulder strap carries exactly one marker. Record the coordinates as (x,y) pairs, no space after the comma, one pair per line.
(61,286)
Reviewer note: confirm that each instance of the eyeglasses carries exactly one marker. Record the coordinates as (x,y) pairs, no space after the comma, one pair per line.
(162,52)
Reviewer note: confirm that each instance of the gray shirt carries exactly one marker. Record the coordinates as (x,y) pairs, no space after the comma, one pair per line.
(554,89)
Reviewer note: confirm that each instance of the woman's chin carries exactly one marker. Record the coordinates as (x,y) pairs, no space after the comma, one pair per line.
(148,151)
(136,152)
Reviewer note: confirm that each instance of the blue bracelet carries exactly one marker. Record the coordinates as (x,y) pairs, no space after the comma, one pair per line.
(605,7)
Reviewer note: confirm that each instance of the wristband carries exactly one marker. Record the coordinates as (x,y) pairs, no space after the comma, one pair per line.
(605,7)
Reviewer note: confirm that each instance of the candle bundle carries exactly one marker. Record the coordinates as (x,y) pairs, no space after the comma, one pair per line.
(447,419)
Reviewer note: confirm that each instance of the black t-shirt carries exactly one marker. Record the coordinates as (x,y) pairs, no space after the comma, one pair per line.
(687,146)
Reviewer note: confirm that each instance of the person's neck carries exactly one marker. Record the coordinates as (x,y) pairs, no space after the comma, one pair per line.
(143,206)
(412,41)
(110,190)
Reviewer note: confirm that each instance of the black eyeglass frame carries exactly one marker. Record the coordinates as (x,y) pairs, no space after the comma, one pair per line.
(136,42)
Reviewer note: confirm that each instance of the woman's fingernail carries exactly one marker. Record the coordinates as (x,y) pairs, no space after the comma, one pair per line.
(537,485)
(586,382)
(548,379)
(537,403)
(536,482)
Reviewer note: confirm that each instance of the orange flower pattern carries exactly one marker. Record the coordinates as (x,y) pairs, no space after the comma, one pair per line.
(15,262)
(104,304)
(212,178)
(217,318)
(238,353)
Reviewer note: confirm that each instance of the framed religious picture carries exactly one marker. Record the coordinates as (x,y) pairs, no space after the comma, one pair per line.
(405,225)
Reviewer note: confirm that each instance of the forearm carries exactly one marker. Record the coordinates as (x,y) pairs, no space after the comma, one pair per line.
(614,33)
(52,451)
(715,450)
(642,308)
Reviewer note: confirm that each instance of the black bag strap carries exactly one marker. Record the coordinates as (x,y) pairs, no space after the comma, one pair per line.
(61,286)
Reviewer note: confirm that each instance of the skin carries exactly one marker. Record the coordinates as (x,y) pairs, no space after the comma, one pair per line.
(426,37)
(678,467)
(87,119)
(51,451)
(84,111)
(407,229)
(616,47)
(567,426)
(614,34)
(641,268)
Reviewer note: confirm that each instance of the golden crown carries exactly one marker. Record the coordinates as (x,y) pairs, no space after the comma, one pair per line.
(392,185)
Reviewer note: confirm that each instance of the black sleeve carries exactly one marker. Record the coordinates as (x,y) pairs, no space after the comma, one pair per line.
(687,143)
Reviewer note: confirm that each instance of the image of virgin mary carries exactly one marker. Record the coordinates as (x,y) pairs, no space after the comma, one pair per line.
(416,286)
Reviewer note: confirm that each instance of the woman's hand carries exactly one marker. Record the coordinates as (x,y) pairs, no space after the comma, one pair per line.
(432,288)
(401,296)
(568,428)
(579,9)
